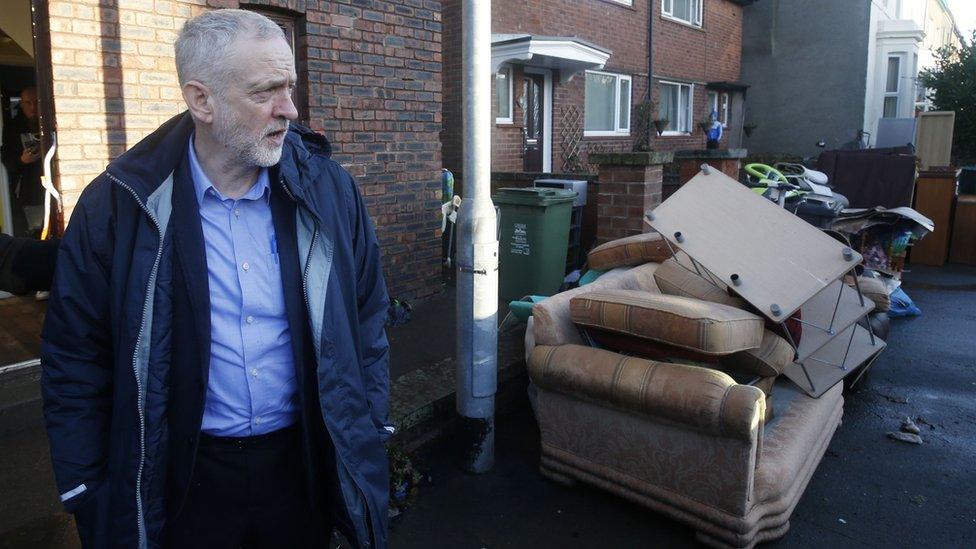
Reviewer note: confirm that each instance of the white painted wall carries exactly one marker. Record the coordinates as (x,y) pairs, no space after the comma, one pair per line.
(896,31)
(940,30)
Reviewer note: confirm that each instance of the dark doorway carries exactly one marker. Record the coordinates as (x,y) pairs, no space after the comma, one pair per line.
(534,92)
(27,121)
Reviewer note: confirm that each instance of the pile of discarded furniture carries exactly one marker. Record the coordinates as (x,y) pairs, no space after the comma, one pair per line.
(700,375)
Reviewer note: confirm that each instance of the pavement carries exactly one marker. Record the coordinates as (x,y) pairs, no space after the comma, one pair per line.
(869,491)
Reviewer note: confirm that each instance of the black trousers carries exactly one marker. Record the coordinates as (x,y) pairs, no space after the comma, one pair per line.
(249,493)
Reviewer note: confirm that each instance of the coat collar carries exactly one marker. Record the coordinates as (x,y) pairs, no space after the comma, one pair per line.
(149,162)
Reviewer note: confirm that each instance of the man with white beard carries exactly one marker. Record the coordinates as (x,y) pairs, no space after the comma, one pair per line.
(215,363)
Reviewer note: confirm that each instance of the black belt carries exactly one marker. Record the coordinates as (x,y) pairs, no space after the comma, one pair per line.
(257,441)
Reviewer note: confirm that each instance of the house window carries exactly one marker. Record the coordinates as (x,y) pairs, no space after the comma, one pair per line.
(719,102)
(892,84)
(607,108)
(686,11)
(674,105)
(503,95)
(624,2)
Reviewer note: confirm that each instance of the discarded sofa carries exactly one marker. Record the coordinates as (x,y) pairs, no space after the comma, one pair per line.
(635,394)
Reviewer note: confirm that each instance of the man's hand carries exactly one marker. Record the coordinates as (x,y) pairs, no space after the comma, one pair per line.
(30,155)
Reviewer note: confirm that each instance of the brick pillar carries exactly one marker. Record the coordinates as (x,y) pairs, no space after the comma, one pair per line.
(689,164)
(629,186)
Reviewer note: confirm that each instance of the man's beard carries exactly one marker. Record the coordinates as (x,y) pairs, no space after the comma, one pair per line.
(250,149)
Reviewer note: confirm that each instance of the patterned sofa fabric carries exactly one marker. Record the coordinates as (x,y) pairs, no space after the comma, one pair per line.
(708,328)
(552,324)
(674,278)
(699,398)
(770,359)
(629,251)
(735,489)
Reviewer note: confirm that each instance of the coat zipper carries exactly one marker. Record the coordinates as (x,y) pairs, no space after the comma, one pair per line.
(318,350)
(135,358)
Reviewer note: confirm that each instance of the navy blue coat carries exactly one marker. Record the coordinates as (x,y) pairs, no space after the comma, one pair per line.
(125,348)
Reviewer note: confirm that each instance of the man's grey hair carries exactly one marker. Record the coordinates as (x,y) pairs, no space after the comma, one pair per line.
(203,46)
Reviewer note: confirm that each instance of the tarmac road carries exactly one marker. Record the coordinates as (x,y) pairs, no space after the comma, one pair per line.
(868,491)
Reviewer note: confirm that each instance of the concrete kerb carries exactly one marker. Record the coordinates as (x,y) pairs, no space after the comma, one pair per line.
(422,401)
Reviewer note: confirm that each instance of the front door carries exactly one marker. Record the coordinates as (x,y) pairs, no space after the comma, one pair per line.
(534,92)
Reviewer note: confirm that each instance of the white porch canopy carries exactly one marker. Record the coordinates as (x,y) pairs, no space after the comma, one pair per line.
(568,55)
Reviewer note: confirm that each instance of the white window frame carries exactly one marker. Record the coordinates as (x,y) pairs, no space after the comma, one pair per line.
(897,93)
(619,130)
(719,102)
(511,93)
(689,108)
(667,11)
(624,2)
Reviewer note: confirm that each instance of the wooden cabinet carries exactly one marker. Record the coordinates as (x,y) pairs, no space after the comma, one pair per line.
(934,195)
(963,248)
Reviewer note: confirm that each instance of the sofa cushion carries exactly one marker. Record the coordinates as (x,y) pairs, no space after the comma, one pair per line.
(553,325)
(873,289)
(629,251)
(699,397)
(708,328)
(770,359)
(674,278)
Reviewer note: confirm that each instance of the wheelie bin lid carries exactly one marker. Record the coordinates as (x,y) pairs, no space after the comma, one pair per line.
(533,196)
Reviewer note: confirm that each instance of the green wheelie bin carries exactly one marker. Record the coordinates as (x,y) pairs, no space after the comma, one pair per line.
(534,236)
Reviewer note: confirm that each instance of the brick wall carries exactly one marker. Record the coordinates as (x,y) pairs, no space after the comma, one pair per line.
(371,71)
(681,52)
(610,25)
(625,194)
(689,54)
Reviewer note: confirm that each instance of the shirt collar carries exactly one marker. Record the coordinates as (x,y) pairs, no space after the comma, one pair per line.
(202,183)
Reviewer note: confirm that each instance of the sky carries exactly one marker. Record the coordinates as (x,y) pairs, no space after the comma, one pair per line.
(965,13)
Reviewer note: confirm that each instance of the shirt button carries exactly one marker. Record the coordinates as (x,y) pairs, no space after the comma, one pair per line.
(237,212)
(249,320)
(246,266)
(258,420)
(254,372)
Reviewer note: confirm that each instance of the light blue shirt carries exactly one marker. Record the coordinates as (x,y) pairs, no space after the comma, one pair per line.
(252,388)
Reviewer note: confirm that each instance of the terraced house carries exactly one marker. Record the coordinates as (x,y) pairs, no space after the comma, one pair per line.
(580,76)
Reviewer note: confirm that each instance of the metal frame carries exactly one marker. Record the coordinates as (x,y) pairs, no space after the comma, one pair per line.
(710,278)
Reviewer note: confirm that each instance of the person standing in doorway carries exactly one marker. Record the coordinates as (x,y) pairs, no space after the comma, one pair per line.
(22,158)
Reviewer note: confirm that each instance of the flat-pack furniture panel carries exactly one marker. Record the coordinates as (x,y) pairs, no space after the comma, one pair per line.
(839,357)
(829,313)
(779,261)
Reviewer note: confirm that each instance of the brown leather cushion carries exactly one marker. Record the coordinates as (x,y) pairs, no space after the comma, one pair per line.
(709,328)
(674,279)
(770,359)
(625,252)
